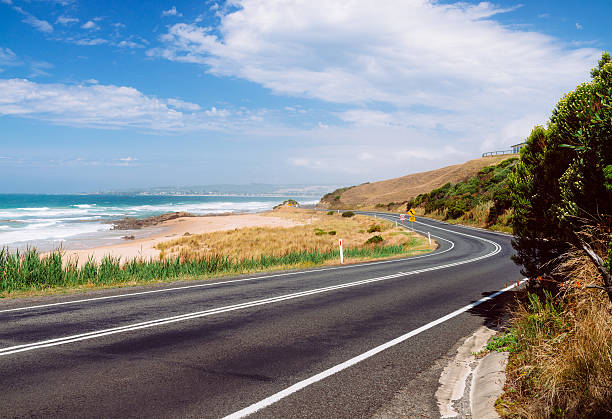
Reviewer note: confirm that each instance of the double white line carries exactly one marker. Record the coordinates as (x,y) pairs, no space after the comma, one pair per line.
(183,317)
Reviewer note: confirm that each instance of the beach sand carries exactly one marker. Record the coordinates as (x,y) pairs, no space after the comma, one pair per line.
(145,247)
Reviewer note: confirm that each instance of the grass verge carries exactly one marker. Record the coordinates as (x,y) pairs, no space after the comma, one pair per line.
(560,345)
(239,251)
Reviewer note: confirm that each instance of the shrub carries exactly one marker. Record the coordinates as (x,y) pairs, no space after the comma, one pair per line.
(374,228)
(330,212)
(348,214)
(457,208)
(332,233)
(560,186)
(374,240)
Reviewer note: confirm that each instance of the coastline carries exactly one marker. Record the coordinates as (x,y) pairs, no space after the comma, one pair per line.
(143,245)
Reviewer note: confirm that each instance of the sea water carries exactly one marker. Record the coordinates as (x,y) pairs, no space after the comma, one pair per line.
(80,221)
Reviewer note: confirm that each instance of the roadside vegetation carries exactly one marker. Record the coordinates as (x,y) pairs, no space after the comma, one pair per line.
(318,230)
(215,254)
(482,200)
(560,334)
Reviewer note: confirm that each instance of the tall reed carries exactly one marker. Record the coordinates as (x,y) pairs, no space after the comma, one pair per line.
(27,270)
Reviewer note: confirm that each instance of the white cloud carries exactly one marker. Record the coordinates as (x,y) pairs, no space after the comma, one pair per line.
(217,112)
(39,68)
(109,106)
(180,104)
(129,44)
(89,42)
(33,21)
(8,57)
(451,65)
(578,26)
(90,24)
(66,20)
(171,12)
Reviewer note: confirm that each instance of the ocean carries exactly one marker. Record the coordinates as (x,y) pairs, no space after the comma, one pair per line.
(48,222)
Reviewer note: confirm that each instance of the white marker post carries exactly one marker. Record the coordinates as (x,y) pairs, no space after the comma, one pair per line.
(429,238)
(341,252)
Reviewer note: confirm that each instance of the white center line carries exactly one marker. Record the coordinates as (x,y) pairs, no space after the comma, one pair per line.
(188,316)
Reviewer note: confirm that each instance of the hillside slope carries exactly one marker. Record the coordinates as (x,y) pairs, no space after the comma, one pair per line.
(405,188)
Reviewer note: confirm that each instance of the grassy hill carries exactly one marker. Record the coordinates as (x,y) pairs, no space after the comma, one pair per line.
(482,199)
(389,193)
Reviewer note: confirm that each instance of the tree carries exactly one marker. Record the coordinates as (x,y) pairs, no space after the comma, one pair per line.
(562,186)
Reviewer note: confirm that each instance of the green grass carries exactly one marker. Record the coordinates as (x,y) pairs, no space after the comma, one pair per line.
(28,271)
(543,317)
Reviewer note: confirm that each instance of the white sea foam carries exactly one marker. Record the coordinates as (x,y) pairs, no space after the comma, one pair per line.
(48,231)
(34,209)
(202,207)
(44,223)
(55,212)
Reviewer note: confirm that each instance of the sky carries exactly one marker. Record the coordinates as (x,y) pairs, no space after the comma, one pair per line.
(128,94)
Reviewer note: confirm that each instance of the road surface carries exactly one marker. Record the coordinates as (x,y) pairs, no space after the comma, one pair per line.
(335,342)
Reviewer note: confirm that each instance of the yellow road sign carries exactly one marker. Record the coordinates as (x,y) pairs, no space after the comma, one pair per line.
(411,212)
(411,218)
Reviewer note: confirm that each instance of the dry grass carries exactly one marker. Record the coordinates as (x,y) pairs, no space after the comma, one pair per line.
(563,363)
(313,234)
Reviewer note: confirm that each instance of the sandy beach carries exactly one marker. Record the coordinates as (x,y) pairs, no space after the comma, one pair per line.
(145,247)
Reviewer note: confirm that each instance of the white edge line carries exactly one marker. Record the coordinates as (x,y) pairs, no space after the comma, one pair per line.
(346,364)
(188,316)
(211,284)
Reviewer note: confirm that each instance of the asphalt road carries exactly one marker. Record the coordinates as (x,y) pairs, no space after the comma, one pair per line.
(213,348)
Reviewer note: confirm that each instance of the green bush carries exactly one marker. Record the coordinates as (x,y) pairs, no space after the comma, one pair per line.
(332,232)
(374,240)
(560,186)
(348,214)
(330,212)
(457,208)
(374,228)
(489,185)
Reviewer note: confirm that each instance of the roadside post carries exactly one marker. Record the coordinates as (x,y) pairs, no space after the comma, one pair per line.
(402,218)
(429,238)
(341,252)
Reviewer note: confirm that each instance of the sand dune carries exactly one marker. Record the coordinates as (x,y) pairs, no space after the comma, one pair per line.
(145,247)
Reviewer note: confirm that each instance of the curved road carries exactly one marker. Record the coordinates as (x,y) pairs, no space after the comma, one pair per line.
(340,341)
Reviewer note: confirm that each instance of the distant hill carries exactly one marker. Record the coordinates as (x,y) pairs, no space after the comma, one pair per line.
(229,189)
(389,193)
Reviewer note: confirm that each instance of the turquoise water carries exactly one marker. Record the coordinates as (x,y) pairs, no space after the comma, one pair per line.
(78,221)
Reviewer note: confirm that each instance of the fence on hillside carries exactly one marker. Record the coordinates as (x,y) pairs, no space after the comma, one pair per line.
(497,153)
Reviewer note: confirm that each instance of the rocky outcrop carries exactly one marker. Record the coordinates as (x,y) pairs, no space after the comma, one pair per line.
(131,223)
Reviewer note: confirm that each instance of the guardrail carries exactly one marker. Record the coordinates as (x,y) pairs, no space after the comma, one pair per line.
(496,153)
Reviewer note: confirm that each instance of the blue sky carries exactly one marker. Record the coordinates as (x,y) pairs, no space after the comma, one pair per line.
(119,94)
